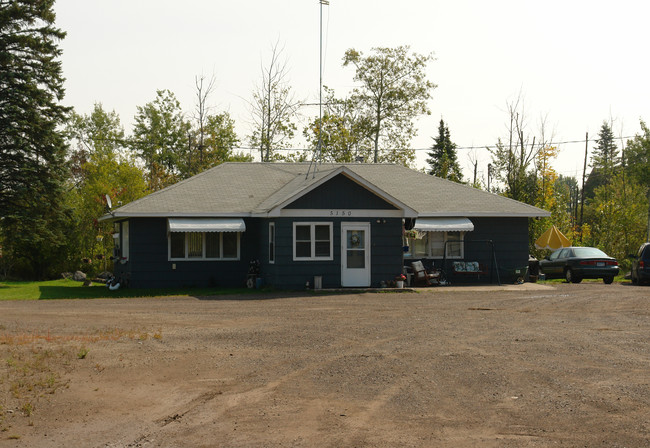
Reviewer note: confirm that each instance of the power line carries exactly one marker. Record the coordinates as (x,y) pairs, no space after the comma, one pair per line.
(126,142)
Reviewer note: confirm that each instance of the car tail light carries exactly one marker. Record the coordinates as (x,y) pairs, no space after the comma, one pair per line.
(641,264)
(595,262)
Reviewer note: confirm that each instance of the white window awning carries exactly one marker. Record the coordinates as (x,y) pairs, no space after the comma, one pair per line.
(443,225)
(206,225)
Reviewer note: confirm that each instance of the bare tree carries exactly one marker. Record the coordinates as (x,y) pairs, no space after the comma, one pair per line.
(273,108)
(203,90)
(513,162)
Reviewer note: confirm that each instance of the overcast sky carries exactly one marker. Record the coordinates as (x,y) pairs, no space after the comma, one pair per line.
(576,63)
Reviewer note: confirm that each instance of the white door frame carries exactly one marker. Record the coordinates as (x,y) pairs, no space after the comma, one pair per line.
(355,277)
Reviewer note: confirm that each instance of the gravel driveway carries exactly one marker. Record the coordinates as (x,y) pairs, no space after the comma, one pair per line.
(516,366)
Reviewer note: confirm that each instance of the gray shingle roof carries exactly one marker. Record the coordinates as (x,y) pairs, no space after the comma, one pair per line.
(244,189)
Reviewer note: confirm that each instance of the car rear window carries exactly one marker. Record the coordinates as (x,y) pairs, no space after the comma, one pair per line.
(588,252)
(646,252)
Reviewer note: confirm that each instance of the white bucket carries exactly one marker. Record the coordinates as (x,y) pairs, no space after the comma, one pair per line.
(318,282)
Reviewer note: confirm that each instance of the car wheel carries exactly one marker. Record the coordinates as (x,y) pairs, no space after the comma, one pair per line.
(571,277)
(608,280)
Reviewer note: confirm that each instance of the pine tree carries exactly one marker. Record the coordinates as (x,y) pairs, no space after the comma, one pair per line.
(605,156)
(442,157)
(32,150)
(605,161)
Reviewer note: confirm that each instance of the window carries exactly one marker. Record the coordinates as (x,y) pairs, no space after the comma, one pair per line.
(125,240)
(272,242)
(312,241)
(204,245)
(432,245)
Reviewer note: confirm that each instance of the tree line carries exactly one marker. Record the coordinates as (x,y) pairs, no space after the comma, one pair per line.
(60,168)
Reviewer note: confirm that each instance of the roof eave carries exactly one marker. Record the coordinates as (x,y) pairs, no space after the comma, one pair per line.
(541,214)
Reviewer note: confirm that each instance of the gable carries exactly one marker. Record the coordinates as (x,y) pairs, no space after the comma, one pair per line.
(341,192)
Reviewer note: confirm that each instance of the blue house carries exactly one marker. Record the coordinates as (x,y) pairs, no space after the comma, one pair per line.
(349,225)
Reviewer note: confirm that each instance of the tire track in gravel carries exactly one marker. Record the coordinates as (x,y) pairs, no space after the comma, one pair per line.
(194,409)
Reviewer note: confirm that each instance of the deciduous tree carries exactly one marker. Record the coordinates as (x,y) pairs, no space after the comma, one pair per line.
(393,90)
(102,167)
(513,158)
(344,133)
(273,109)
(212,136)
(160,138)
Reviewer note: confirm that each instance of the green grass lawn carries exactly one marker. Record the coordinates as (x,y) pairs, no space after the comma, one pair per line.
(618,279)
(69,289)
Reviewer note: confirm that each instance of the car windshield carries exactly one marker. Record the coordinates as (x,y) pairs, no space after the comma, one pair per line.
(588,252)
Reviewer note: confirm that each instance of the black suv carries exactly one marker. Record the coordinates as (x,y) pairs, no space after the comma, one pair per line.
(641,265)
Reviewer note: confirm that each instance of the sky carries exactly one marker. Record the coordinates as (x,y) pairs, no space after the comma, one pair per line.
(574,64)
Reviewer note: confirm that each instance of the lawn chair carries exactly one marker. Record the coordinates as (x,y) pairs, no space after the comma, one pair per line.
(421,277)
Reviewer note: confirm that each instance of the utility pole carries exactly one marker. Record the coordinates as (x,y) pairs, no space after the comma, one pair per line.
(582,195)
(475,165)
(489,174)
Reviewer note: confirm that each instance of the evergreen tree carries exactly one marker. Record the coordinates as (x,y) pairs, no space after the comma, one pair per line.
(637,156)
(32,150)
(442,157)
(605,161)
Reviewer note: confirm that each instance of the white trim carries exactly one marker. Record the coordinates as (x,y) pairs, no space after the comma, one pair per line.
(339,213)
(125,240)
(469,214)
(121,215)
(351,277)
(272,242)
(312,236)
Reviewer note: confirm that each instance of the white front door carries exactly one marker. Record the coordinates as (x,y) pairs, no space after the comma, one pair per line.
(355,254)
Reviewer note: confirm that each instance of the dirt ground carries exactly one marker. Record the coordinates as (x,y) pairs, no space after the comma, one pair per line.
(518,366)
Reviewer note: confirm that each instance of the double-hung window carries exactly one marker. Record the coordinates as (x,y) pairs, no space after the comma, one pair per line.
(312,241)
(433,244)
(204,245)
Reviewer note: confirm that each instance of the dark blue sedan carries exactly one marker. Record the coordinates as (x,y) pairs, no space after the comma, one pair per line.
(576,263)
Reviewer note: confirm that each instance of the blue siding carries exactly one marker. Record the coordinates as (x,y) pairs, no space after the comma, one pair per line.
(507,237)
(149,267)
(341,193)
(385,254)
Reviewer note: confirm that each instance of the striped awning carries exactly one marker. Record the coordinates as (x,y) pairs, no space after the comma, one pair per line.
(206,225)
(443,225)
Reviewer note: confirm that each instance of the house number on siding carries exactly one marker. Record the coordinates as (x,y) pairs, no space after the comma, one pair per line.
(340,213)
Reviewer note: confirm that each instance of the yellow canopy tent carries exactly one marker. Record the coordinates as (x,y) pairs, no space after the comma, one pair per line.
(552,239)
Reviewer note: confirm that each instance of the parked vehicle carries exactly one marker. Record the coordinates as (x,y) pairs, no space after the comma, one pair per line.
(641,265)
(576,263)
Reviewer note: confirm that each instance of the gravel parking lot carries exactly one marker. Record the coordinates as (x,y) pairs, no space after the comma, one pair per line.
(518,366)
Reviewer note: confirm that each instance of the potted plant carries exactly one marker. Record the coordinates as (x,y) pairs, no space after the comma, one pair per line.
(399,281)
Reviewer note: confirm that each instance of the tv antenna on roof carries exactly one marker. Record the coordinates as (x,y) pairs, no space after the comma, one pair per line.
(316,156)
(109,203)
